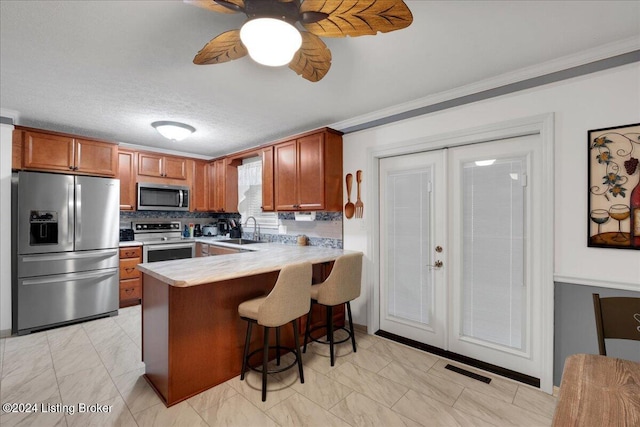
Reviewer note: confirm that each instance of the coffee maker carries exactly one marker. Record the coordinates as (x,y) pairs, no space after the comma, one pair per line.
(223,227)
(197,231)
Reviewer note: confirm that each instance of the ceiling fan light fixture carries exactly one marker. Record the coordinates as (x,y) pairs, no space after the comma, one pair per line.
(270,41)
(174,131)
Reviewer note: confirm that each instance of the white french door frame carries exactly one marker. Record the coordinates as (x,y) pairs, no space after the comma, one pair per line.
(542,125)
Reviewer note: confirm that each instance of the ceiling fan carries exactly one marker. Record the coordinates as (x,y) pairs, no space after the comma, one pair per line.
(304,51)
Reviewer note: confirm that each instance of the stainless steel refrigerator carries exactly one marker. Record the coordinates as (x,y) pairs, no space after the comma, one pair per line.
(65,238)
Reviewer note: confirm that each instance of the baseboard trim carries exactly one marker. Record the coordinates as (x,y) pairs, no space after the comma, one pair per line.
(498,370)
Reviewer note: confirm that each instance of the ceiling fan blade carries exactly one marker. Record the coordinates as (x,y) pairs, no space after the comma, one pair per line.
(356,17)
(313,60)
(225,47)
(234,5)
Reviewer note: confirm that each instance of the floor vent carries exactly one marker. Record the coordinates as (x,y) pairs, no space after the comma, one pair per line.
(469,374)
(517,376)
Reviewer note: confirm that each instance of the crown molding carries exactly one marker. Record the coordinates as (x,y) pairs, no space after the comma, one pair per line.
(600,53)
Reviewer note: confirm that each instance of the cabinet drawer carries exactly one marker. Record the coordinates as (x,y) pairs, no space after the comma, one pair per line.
(130,289)
(128,268)
(131,252)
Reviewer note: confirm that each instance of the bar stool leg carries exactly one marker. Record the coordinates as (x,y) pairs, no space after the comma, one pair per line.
(306,331)
(330,333)
(297,343)
(278,346)
(265,361)
(353,335)
(246,349)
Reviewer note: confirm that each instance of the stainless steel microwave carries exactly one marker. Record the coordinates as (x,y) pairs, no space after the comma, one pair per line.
(159,197)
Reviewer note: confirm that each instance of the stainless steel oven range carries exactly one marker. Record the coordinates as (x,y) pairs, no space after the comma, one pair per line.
(163,241)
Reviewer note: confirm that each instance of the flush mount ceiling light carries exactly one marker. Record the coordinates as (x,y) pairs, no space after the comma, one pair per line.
(270,41)
(174,131)
(306,53)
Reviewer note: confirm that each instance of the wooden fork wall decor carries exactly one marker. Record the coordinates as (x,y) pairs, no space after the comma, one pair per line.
(359,204)
(350,208)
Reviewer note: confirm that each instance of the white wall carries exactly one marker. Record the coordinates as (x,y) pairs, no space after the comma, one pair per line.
(604,99)
(6,132)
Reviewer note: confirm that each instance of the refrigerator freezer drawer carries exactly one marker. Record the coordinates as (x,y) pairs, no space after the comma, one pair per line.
(66,262)
(51,300)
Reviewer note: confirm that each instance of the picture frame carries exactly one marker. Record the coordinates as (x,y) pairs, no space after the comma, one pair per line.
(613,214)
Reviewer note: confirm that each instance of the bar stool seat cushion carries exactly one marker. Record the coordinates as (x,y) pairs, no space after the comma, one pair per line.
(249,309)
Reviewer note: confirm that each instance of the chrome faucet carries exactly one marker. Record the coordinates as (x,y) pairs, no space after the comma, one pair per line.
(256,227)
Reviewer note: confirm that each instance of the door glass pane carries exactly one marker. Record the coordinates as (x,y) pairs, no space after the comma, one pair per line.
(408,212)
(493,288)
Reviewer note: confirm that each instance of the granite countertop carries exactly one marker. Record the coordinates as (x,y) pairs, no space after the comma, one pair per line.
(130,243)
(262,258)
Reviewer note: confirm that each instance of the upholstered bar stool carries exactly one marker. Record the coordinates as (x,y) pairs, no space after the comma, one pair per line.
(342,286)
(287,301)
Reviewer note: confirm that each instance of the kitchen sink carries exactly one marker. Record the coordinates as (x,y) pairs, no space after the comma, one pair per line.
(240,241)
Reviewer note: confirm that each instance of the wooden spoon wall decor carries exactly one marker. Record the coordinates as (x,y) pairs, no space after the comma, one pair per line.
(320,18)
(349,208)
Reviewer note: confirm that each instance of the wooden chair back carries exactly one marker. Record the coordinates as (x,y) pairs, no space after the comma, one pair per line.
(616,317)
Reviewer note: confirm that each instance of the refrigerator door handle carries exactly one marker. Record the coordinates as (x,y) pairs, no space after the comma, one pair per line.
(70,215)
(78,213)
(70,256)
(69,277)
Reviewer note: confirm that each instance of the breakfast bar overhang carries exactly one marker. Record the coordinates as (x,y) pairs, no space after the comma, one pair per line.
(192,335)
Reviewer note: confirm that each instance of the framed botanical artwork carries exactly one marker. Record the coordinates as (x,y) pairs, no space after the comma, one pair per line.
(614,187)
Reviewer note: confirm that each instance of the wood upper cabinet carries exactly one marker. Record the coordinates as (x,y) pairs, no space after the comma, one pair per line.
(200,188)
(268,204)
(308,171)
(223,185)
(157,165)
(127,176)
(65,153)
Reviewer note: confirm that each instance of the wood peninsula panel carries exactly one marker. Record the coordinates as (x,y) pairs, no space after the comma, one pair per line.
(193,337)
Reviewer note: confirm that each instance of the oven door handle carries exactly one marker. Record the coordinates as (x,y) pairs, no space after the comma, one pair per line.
(169,246)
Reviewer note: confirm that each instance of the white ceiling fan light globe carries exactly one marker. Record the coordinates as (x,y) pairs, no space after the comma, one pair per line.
(270,41)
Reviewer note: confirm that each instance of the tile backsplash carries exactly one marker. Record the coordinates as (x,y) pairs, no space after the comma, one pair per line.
(325,230)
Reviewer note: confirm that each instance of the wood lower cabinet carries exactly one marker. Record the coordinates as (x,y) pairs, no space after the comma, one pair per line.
(308,172)
(157,165)
(57,152)
(127,175)
(130,277)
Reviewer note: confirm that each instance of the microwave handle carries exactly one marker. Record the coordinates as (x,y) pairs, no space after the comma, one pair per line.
(180,198)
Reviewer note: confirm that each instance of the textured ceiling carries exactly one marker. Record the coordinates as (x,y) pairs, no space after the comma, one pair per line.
(107,69)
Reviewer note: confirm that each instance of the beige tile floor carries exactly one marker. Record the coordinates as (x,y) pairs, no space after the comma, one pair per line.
(382,384)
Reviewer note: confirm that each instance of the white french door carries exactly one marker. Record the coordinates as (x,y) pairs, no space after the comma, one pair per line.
(459,251)
(412,211)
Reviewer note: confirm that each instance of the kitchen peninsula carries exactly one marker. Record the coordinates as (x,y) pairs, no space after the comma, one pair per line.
(192,335)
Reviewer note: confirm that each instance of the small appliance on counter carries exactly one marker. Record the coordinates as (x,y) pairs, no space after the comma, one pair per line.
(197,231)
(235,231)
(126,234)
(210,230)
(223,227)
